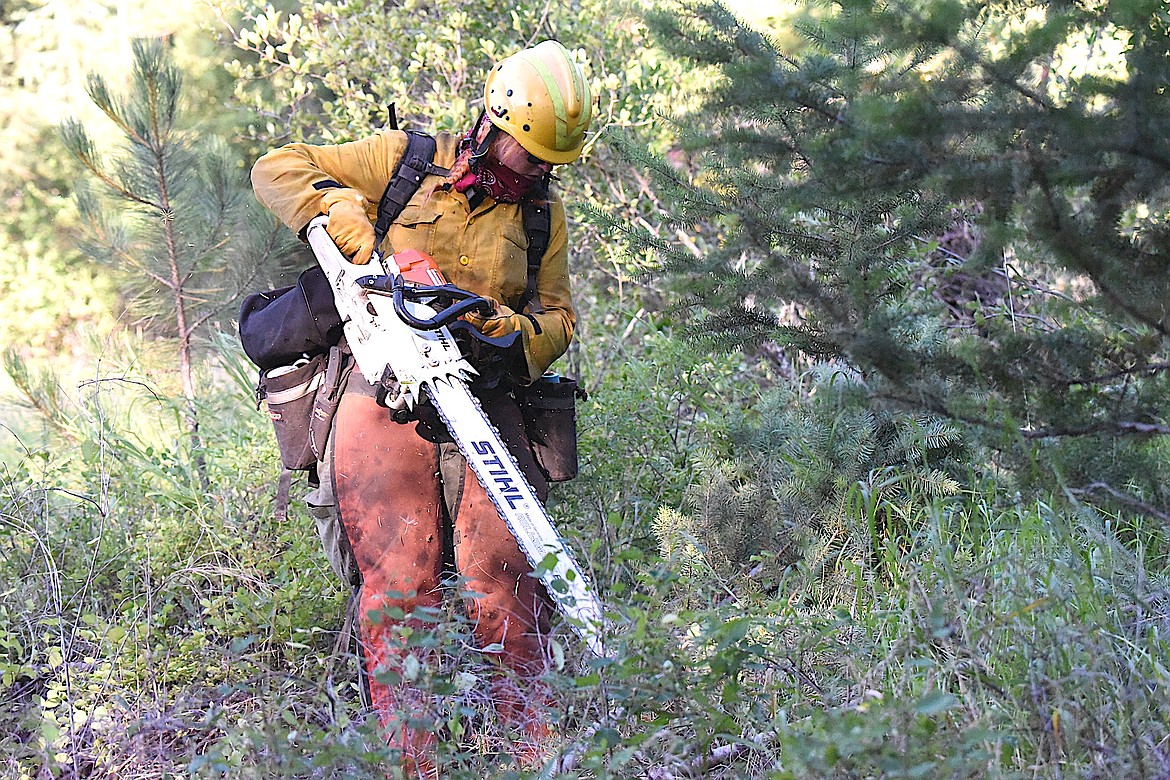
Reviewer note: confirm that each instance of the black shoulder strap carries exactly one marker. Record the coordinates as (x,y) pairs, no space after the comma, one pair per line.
(415,163)
(538,226)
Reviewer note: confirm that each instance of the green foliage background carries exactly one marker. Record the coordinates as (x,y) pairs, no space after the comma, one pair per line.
(827,548)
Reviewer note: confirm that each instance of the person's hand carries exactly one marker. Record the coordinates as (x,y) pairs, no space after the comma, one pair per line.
(500,322)
(349,226)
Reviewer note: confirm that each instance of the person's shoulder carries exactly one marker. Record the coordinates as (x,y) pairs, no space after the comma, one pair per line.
(385,144)
(396,141)
(446,148)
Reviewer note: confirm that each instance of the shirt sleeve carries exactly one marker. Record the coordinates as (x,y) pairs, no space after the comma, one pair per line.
(287,180)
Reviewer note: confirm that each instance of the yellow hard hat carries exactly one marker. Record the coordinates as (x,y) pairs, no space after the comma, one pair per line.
(540,97)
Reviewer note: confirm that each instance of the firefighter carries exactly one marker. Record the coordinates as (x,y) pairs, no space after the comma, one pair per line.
(397,502)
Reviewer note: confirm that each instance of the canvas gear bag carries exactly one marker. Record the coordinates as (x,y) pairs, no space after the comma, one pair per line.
(278,327)
(289,393)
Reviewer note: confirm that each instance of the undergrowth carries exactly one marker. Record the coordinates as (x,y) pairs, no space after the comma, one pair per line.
(152,628)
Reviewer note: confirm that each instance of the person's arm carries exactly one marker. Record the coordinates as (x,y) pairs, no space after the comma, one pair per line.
(548,322)
(290,181)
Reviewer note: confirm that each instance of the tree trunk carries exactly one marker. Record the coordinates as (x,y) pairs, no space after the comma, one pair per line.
(177,287)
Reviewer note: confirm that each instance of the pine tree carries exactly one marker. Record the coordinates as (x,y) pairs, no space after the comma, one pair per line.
(172,212)
(966,201)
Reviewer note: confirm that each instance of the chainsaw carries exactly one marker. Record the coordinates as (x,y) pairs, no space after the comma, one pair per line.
(398,314)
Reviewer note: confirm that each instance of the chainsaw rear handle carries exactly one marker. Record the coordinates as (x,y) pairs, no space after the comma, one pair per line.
(457,300)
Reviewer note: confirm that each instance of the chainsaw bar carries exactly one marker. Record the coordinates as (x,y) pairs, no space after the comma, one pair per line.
(516,501)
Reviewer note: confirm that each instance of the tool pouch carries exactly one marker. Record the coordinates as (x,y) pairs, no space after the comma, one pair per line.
(550,420)
(302,399)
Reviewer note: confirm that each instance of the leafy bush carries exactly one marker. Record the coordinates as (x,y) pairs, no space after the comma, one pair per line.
(154,628)
(129,584)
(653,404)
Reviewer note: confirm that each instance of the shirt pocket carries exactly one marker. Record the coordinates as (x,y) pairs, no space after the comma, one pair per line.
(415,229)
(512,264)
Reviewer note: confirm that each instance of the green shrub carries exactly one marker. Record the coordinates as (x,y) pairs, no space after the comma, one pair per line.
(128,584)
(152,628)
(811,475)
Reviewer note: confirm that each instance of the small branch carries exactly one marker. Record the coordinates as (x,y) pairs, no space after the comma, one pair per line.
(199,321)
(1048,325)
(536,27)
(1129,427)
(1150,368)
(79,497)
(728,753)
(139,265)
(129,258)
(202,254)
(1125,498)
(1077,251)
(106,179)
(124,380)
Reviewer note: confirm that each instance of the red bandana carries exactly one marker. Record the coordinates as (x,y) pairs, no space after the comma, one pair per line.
(502,184)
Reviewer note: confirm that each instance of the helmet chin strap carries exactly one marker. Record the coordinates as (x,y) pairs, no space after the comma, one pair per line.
(478,151)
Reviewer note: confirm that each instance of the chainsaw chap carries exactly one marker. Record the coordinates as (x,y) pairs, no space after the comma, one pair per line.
(396,537)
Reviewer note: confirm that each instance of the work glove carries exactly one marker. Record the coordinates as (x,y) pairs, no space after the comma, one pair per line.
(349,226)
(500,322)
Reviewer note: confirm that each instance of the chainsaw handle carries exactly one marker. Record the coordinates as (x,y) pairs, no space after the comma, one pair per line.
(460,302)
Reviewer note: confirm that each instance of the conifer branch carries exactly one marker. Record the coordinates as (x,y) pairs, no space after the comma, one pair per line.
(1069,241)
(1125,498)
(1116,427)
(1148,368)
(99,93)
(129,258)
(81,145)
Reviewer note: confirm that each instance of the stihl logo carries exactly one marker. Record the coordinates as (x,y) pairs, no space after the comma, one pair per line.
(499,473)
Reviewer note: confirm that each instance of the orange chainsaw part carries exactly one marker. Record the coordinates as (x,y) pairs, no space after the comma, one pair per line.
(414,266)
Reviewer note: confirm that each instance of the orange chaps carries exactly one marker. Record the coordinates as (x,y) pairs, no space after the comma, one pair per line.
(401,490)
